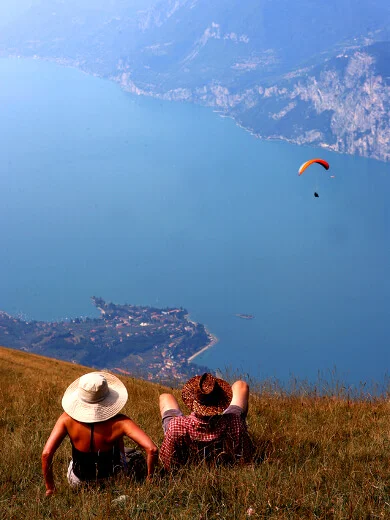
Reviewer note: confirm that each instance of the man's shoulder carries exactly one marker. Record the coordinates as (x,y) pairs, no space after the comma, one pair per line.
(178,427)
(183,424)
(233,422)
(180,421)
(233,409)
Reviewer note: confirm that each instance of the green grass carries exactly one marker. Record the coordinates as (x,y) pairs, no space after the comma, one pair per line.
(318,457)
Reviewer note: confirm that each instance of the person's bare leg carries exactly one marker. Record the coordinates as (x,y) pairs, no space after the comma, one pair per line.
(168,402)
(240,395)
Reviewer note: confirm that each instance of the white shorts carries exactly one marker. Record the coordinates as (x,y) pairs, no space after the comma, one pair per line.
(74,481)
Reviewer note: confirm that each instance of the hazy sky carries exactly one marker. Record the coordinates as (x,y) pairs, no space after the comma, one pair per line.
(9,9)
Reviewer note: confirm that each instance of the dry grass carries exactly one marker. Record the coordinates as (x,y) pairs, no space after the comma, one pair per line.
(318,457)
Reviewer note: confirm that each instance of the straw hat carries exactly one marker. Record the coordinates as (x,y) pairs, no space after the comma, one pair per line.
(207,395)
(94,397)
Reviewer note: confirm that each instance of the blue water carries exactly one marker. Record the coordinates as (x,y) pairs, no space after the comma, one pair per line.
(149,202)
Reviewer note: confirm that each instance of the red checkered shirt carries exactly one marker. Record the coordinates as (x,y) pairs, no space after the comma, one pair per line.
(186,432)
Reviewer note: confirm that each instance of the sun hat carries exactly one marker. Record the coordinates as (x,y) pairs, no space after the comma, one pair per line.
(207,395)
(94,397)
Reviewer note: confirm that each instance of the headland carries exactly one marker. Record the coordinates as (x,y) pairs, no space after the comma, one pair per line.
(147,342)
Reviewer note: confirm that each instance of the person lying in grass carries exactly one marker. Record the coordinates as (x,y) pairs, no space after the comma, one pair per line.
(215,431)
(96,429)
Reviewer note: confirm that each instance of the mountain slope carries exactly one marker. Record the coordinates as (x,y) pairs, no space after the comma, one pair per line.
(343,104)
(327,455)
(228,54)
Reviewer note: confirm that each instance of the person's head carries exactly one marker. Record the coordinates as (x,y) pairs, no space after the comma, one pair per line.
(94,397)
(207,395)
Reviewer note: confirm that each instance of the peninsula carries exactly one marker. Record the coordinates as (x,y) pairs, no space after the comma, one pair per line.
(146,342)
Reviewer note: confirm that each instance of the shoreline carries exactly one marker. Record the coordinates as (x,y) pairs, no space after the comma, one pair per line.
(136,91)
(213,341)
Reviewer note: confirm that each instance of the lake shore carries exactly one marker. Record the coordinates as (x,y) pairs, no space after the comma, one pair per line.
(213,341)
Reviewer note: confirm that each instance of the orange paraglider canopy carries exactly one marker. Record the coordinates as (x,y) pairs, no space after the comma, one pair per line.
(308,163)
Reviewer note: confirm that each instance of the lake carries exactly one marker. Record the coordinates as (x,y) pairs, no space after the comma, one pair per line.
(155,203)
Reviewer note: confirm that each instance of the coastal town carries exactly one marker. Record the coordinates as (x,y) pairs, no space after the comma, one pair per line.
(146,342)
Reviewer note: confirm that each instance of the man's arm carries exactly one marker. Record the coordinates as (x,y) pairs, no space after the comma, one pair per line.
(240,395)
(173,450)
(168,402)
(240,398)
(57,435)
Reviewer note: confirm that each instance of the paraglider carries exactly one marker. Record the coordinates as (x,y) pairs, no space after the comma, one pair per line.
(308,163)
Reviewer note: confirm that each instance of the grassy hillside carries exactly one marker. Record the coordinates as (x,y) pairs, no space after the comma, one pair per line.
(323,457)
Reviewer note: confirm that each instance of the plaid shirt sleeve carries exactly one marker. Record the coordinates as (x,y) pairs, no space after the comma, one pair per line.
(174,449)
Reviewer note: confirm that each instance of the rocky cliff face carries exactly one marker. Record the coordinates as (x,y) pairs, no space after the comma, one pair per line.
(358,99)
(343,105)
(240,58)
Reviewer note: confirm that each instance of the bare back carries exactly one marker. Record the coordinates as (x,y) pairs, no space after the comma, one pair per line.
(105,434)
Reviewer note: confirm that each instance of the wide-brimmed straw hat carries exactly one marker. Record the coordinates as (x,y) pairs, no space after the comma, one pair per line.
(94,397)
(207,395)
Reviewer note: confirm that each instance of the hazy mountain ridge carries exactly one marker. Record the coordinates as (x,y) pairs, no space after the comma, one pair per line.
(297,73)
(343,105)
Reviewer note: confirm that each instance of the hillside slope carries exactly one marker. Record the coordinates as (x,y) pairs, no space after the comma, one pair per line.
(322,458)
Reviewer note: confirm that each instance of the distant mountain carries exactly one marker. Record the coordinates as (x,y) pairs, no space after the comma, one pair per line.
(304,71)
(342,104)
